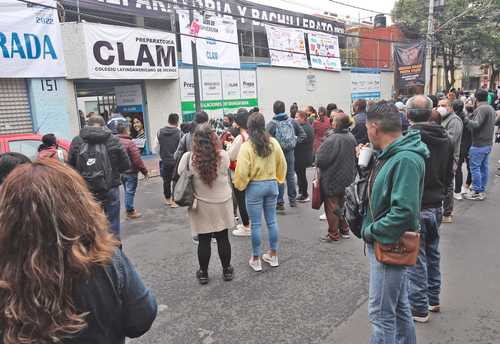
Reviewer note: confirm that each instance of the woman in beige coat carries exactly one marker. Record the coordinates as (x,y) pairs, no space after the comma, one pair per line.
(212,211)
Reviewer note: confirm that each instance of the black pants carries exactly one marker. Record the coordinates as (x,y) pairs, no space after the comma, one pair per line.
(168,174)
(205,249)
(242,206)
(302,180)
(459,176)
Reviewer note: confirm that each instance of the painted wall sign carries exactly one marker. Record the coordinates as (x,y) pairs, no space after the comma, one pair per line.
(365,84)
(287,47)
(30,40)
(115,52)
(324,51)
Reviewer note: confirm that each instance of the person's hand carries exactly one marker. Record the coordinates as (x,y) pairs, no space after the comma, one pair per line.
(358,149)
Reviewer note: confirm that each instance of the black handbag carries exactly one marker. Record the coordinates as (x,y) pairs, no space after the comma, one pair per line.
(184,191)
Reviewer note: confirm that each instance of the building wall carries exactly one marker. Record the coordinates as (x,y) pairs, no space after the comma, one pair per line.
(291,85)
(162,98)
(75,55)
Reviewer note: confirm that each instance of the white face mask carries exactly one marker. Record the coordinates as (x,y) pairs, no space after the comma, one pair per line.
(442,111)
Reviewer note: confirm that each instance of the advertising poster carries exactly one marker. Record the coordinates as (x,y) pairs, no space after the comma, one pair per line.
(212,52)
(324,52)
(115,52)
(287,47)
(222,91)
(30,40)
(409,60)
(365,84)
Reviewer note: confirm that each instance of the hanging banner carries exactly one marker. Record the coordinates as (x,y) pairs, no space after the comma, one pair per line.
(30,40)
(287,47)
(324,51)
(365,84)
(244,10)
(211,31)
(409,60)
(222,91)
(116,52)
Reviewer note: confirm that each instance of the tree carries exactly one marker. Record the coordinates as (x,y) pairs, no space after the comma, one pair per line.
(456,24)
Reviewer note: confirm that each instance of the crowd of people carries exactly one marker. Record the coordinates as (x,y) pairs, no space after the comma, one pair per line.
(60,215)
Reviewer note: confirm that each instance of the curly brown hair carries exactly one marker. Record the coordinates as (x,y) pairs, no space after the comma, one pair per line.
(52,235)
(206,153)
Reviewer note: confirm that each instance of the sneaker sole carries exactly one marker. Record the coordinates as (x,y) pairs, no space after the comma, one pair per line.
(271,264)
(421,320)
(242,235)
(435,309)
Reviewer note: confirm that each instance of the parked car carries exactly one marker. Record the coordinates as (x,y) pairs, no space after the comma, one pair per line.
(26,144)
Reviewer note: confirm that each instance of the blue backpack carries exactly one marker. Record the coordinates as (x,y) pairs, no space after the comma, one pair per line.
(285,134)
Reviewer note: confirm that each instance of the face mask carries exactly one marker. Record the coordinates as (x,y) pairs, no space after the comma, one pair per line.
(226,125)
(442,111)
(469,109)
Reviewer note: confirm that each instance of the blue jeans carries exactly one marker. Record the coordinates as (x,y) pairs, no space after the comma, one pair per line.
(479,157)
(129,182)
(388,308)
(425,276)
(261,196)
(112,210)
(290,179)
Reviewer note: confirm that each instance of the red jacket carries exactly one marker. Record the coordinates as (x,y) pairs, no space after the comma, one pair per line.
(134,154)
(320,130)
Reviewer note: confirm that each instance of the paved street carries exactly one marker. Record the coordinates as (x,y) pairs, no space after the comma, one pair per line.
(319,293)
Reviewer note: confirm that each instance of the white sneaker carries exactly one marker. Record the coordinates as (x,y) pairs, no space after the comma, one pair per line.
(464,190)
(271,260)
(322,217)
(242,231)
(458,196)
(482,196)
(255,264)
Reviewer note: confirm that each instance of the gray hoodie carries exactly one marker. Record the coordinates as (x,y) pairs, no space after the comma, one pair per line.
(482,125)
(454,127)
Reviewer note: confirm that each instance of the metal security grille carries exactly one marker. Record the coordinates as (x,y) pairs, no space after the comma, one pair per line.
(15,115)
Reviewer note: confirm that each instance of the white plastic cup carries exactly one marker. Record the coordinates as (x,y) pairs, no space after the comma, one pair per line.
(365,156)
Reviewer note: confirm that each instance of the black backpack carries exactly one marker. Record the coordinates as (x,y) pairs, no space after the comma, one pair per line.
(94,166)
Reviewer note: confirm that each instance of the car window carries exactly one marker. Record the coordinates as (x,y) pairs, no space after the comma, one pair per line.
(26,147)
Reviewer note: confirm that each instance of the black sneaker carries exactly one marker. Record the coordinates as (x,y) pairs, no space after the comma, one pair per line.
(202,276)
(280,207)
(228,273)
(303,199)
(293,204)
(420,317)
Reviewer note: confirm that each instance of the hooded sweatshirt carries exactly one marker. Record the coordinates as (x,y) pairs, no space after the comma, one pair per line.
(119,159)
(168,138)
(438,169)
(454,127)
(396,196)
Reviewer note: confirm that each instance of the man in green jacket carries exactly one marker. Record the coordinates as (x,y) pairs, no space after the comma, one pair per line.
(394,208)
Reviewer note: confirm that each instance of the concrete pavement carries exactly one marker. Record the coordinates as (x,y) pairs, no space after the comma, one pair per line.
(319,293)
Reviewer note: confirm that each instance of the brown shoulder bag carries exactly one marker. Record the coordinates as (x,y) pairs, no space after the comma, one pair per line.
(402,253)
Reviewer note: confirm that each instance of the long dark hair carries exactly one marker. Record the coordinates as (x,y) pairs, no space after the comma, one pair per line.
(258,135)
(206,157)
(52,235)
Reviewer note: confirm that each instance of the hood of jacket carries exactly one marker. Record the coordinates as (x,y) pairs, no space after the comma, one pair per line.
(411,142)
(432,134)
(95,134)
(169,130)
(280,117)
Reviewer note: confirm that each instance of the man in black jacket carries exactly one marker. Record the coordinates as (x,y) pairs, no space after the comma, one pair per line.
(303,156)
(168,141)
(96,133)
(336,160)
(425,276)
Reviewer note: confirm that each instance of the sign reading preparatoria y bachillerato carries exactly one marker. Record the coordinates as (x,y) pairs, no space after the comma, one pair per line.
(30,40)
(115,52)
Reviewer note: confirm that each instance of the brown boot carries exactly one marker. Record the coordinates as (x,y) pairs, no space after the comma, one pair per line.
(131,215)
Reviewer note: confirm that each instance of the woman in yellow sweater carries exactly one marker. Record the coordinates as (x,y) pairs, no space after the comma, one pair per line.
(261,166)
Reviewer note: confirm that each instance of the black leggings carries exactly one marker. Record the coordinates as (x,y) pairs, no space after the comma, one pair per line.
(459,176)
(205,249)
(242,206)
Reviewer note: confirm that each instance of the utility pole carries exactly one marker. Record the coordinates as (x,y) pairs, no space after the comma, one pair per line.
(196,75)
(428,53)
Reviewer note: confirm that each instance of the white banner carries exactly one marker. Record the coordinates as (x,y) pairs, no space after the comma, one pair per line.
(231,84)
(365,84)
(287,47)
(211,84)
(248,80)
(324,51)
(115,52)
(211,31)
(30,40)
